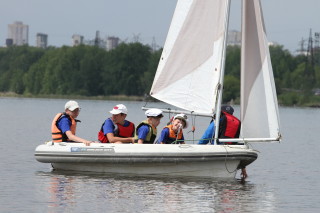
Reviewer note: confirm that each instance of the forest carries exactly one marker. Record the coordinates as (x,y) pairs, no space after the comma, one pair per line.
(128,70)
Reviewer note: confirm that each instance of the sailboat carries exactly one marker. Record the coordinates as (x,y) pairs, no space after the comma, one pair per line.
(190,76)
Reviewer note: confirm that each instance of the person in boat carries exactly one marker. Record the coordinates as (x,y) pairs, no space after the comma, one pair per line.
(117,129)
(146,131)
(173,133)
(230,127)
(64,125)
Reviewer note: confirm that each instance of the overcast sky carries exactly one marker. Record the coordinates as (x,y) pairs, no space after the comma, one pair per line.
(287,21)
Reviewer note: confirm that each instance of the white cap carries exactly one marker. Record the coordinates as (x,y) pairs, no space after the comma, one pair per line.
(71,105)
(120,108)
(154,112)
(183,117)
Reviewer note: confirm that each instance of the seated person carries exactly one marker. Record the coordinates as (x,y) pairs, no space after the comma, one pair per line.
(229,127)
(64,124)
(146,131)
(173,132)
(116,129)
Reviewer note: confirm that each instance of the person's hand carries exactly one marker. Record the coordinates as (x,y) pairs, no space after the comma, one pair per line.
(87,143)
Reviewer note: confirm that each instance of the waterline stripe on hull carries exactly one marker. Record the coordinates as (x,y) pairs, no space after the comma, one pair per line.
(60,157)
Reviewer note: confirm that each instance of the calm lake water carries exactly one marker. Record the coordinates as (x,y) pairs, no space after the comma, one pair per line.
(284,178)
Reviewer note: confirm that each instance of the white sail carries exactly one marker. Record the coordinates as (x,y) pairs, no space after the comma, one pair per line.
(190,65)
(259,106)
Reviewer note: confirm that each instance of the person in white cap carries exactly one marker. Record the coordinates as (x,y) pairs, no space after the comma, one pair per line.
(146,131)
(64,125)
(173,132)
(117,129)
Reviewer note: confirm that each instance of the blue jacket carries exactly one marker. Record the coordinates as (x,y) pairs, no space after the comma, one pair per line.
(208,134)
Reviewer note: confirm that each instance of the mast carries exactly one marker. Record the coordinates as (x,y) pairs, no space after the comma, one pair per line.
(221,78)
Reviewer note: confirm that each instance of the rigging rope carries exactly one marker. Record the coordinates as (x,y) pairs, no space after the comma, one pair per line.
(193,127)
(225,160)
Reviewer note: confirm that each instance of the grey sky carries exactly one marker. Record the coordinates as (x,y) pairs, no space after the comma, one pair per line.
(287,21)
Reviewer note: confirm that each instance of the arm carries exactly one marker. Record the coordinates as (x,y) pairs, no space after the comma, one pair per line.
(142,133)
(108,130)
(114,139)
(64,125)
(164,136)
(207,135)
(76,138)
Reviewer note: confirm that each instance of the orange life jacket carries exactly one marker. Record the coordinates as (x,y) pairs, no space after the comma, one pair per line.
(172,135)
(57,135)
(119,131)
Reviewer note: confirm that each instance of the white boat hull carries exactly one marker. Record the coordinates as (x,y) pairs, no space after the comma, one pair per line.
(220,161)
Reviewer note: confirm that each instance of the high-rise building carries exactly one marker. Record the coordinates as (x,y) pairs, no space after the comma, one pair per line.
(77,39)
(234,37)
(19,33)
(112,42)
(42,40)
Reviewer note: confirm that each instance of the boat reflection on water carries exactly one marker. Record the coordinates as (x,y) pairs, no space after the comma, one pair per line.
(61,190)
(96,192)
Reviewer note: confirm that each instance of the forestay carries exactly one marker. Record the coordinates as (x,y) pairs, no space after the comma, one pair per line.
(190,65)
(259,106)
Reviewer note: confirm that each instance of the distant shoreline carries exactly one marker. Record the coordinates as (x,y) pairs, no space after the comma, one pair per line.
(79,97)
(113,98)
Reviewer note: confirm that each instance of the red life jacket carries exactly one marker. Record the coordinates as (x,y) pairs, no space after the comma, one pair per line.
(119,131)
(57,135)
(230,126)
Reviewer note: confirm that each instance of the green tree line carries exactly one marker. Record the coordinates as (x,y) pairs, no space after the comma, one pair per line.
(296,77)
(129,70)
